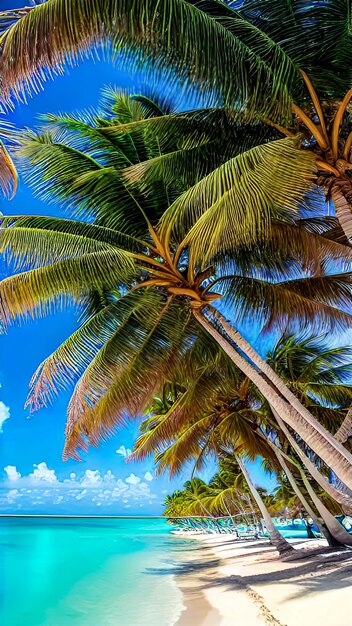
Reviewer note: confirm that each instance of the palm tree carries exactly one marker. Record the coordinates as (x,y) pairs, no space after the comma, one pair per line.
(78,161)
(303,496)
(174,456)
(286,500)
(228,495)
(321,377)
(280,543)
(194,498)
(265,61)
(175,439)
(335,528)
(224,495)
(327,524)
(229,416)
(174,504)
(247,67)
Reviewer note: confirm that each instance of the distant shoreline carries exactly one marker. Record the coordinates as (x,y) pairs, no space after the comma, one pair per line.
(84,516)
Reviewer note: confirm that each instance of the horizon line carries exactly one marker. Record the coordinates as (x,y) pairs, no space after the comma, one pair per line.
(83,516)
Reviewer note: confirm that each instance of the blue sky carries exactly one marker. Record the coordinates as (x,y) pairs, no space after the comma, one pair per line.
(33,478)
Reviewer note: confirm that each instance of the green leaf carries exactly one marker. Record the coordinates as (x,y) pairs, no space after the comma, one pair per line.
(37,290)
(160,33)
(62,368)
(315,302)
(239,200)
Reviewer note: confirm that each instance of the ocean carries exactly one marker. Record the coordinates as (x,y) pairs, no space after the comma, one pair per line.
(88,572)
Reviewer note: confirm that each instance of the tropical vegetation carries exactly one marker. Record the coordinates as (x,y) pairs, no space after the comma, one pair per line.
(237,421)
(8,173)
(188,223)
(264,61)
(79,162)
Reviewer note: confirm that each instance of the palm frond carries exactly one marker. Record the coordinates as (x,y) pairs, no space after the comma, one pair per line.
(62,368)
(330,395)
(84,134)
(33,247)
(185,167)
(116,382)
(34,292)
(287,252)
(82,184)
(187,446)
(189,129)
(8,173)
(152,104)
(330,362)
(161,33)
(315,35)
(38,240)
(241,197)
(319,302)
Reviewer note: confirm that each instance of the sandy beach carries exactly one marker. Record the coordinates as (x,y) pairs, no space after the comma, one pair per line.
(244,583)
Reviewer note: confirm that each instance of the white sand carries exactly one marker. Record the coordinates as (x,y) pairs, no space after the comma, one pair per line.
(250,586)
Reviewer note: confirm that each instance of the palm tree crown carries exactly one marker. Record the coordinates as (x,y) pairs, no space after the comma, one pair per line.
(120,264)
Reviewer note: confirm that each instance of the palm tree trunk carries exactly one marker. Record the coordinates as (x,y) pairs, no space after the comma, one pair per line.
(331,528)
(313,433)
(285,392)
(233,521)
(280,543)
(323,528)
(341,194)
(345,430)
(341,498)
(335,528)
(271,375)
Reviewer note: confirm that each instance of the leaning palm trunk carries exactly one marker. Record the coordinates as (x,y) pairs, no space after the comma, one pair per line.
(341,498)
(324,529)
(313,433)
(335,528)
(345,430)
(281,387)
(341,194)
(232,520)
(280,543)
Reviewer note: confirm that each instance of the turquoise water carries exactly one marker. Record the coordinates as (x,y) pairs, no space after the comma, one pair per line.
(87,572)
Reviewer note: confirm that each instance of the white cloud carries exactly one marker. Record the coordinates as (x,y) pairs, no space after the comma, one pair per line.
(132,479)
(42,488)
(42,472)
(4,414)
(109,477)
(125,452)
(12,497)
(12,473)
(81,494)
(91,477)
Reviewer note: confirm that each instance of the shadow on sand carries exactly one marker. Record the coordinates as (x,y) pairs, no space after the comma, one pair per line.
(312,571)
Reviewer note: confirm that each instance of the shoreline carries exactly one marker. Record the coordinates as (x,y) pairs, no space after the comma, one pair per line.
(221,577)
